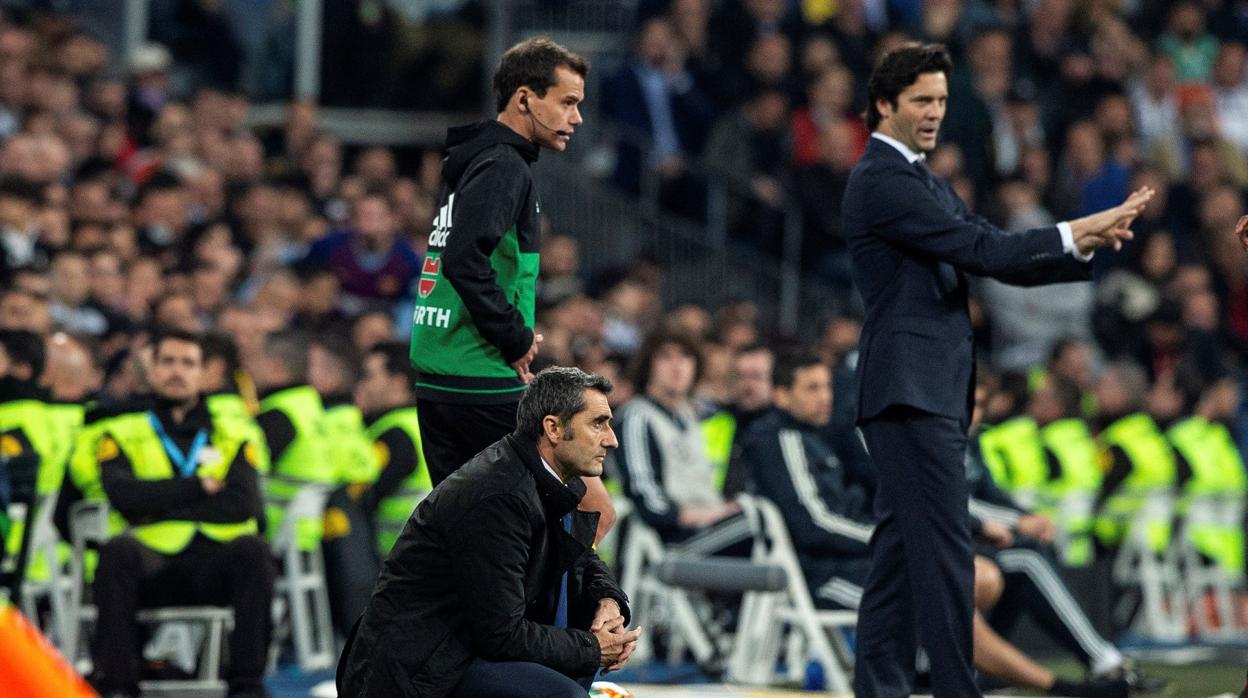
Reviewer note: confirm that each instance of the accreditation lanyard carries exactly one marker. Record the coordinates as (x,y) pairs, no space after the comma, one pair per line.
(184,462)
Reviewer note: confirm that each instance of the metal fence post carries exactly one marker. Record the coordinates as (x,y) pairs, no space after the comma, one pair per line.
(308,50)
(497,39)
(137,15)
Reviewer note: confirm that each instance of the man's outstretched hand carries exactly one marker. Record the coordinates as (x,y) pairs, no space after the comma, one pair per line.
(1111,227)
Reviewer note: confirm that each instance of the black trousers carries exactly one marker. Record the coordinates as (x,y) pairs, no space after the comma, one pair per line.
(452,434)
(486,679)
(922,564)
(130,576)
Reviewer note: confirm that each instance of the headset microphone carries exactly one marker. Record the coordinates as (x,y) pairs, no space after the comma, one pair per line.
(533,117)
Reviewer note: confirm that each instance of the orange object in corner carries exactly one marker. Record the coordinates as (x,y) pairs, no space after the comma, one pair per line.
(30,666)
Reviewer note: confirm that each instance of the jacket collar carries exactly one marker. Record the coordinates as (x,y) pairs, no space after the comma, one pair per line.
(557,498)
(910,156)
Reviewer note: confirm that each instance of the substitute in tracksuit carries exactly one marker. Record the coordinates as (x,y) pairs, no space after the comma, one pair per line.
(830,522)
(662,459)
(472,331)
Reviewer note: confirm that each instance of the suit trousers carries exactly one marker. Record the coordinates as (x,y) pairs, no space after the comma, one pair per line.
(922,563)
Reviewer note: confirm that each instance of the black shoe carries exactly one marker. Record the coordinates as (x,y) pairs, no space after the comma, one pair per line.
(1137,680)
(1092,688)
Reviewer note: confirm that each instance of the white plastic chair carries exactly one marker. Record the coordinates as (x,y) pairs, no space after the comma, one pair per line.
(89,524)
(42,545)
(1204,579)
(302,582)
(1163,611)
(786,622)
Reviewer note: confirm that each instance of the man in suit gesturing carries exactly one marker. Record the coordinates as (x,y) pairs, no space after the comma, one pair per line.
(912,242)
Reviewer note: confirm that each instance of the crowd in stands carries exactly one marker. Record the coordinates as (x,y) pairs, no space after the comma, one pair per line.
(130,207)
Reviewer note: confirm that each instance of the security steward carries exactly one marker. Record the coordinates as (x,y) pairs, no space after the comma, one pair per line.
(186,510)
(385,395)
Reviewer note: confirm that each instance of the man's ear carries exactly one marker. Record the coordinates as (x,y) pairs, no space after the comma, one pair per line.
(551,427)
(884,107)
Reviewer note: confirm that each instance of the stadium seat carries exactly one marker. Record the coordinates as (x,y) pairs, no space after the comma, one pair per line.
(89,526)
(1163,610)
(53,581)
(302,597)
(682,611)
(786,622)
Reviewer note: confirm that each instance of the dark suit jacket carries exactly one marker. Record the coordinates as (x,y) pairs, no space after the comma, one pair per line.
(912,241)
(476,573)
(624,105)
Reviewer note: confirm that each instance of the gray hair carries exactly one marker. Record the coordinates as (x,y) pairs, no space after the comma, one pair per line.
(558,391)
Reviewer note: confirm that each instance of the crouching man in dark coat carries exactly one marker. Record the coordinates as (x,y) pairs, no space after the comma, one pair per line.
(492,588)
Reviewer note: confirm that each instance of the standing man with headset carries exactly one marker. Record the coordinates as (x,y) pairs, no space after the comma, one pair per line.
(913,242)
(472,331)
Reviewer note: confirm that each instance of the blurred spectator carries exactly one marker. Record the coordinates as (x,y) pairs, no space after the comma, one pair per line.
(19,240)
(72,308)
(663,117)
(820,189)
(371,329)
(1155,101)
(1231,93)
(560,265)
(25,310)
(735,33)
(149,69)
(662,459)
(71,374)
(977,95)
(829,96)
(371,263)
(749,150)
(1187,43)
(1025,323)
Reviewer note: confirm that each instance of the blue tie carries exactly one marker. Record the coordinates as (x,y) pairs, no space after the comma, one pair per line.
(561,611)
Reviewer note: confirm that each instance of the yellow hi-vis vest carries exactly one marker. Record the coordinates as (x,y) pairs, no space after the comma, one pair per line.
(1014,454)
(1211,501)
(1150,482)
(43,427)
(718,431)
(305,460)
(1073,493)
(138,440)
(393,511)
(229,413)
(350,449)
